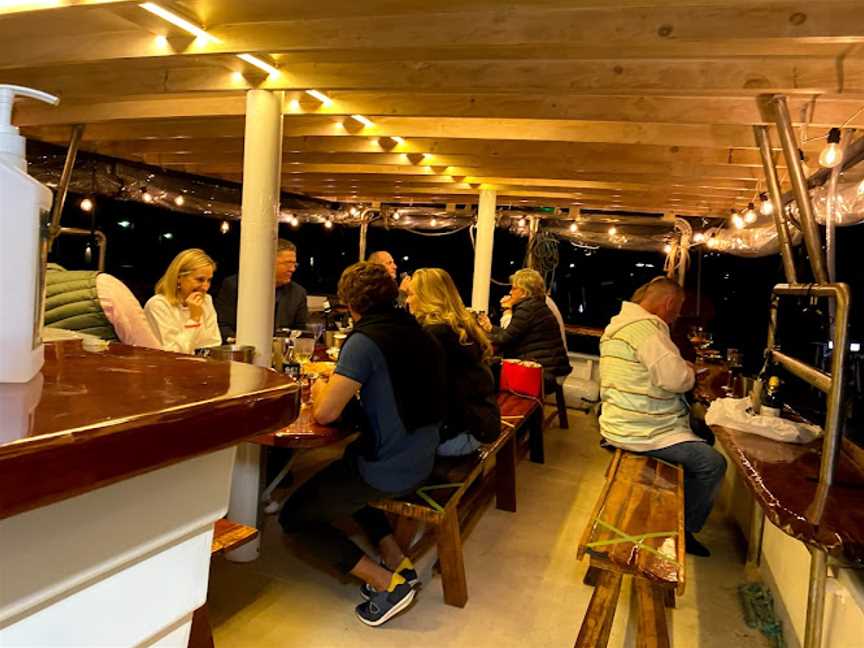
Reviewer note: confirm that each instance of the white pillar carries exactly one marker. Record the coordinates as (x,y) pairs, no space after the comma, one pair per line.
(262,172)
(483,250)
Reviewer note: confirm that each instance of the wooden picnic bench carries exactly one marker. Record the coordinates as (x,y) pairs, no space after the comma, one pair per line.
(455,495)
(636,529)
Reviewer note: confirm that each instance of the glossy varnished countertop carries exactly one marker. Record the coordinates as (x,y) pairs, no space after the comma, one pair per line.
(93,418)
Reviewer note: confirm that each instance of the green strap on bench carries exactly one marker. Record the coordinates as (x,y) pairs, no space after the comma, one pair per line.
(421,493)
(637,540)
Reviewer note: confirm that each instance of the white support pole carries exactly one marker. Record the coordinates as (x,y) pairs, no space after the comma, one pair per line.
(483,250)
(262,166)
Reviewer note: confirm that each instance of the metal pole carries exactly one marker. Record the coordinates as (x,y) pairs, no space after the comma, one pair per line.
(683,256)
(834,414)
(757,529)
(699,284)
(763,140)
(533,227)
(816,599)
(262,162)
(799,185)
(65,179)
(483,250)
(830,217)
(364,230)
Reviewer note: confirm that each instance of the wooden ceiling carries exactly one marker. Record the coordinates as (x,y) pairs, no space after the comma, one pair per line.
(647,105)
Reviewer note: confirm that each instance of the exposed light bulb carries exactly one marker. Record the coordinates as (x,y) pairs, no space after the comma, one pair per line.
(750,214)
(86,205)
(831,155)
(612,231)
(396,215)
(354,211)
(433,222)
(328,224)
(766,207)
(574,227)
(88,254)
(712,243)
(295,222)
(179,200)
(698,237)
(225,227)
(147,197)
(521,222)
(737,221)
(667,248)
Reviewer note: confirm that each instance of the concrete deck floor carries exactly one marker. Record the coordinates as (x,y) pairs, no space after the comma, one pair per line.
(525,585)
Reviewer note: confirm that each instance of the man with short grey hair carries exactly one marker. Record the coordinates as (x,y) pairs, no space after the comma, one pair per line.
(643,379)
(381,257)
(290,310)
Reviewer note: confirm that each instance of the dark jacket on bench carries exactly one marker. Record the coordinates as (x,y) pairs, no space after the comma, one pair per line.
(533,334)
(472,400)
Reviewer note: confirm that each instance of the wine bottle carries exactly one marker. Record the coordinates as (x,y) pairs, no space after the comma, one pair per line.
(772,403)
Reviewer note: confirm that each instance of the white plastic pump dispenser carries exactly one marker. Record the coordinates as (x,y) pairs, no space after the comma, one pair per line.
(24,208)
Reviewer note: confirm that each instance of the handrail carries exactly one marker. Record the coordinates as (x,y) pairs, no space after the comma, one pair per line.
(101,241)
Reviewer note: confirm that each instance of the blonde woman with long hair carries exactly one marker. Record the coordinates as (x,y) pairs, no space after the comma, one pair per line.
(473,417)
(181,312)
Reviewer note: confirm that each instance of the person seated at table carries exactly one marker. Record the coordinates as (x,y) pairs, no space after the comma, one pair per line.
(533,332)
(96,303)
(473,417)
(507,314)
(642,382)
(290,310)
(181,312)
(392,371)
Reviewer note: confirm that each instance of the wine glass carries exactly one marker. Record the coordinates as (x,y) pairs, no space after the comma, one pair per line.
(304,347)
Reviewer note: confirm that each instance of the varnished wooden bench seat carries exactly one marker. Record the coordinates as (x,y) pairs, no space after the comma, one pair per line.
(636,529)
(227,536)
(452,498)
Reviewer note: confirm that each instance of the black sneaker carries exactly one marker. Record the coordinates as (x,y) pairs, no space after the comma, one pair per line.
(383,606)
(695,548)
(410,576)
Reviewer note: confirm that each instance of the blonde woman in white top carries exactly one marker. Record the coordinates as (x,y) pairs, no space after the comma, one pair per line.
(181,312)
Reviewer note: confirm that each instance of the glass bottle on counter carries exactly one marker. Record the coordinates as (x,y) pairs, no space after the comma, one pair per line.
(772,402)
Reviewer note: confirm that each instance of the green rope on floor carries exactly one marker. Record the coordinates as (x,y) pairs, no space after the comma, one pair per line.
(757,604)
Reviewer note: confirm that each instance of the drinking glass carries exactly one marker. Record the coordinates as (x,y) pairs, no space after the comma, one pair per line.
(304,347)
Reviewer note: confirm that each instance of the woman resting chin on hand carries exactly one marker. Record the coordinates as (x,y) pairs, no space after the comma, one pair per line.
(181,312)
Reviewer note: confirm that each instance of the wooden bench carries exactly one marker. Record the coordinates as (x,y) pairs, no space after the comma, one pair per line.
(227,535)
(456,493)
(636,529)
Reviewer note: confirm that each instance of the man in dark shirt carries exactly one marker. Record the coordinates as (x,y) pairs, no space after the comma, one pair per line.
(290,307)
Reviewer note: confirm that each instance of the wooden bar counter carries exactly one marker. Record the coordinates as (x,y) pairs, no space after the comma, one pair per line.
(114,465)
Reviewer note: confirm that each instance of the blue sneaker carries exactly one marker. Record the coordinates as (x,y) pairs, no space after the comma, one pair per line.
(408,573)
(383,606)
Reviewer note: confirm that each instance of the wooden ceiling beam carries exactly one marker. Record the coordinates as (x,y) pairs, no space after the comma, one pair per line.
(827,112)
(513,27)
(731,77)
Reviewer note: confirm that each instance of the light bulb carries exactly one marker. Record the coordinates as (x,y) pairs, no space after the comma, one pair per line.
(667,248)
(225,227)
(712,243)
(433,222)
(396,215)
(179,200)
(766,207)
(86,205)
(147,197)
(698,237)
(612,231)
(737,221)
(295,222)
(328,224)
(831,155)
(353,211)
(574,227)
(750,214)
(521,222)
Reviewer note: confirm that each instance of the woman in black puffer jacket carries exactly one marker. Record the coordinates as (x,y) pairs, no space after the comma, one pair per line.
(533,332)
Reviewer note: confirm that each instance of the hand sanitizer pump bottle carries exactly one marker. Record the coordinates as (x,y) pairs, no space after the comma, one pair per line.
(24,208)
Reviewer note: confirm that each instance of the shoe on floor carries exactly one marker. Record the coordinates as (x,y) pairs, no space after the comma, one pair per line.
(695,548)
(383,606)
(408,573)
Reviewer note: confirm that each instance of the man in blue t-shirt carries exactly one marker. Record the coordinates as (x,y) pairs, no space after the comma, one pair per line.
(391,372)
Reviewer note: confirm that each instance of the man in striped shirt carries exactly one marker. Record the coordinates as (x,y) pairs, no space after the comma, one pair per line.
(643,379)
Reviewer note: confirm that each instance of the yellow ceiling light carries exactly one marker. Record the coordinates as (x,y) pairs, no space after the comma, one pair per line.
(320,96)
(363,120)
(178,21)
(259,63)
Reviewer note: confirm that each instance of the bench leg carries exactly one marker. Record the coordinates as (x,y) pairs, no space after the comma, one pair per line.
(669,598)
(591,575)
(597,624)
(561,404)
(651,628)
(535,437)
(450,559)
(201,634)
(505,476)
